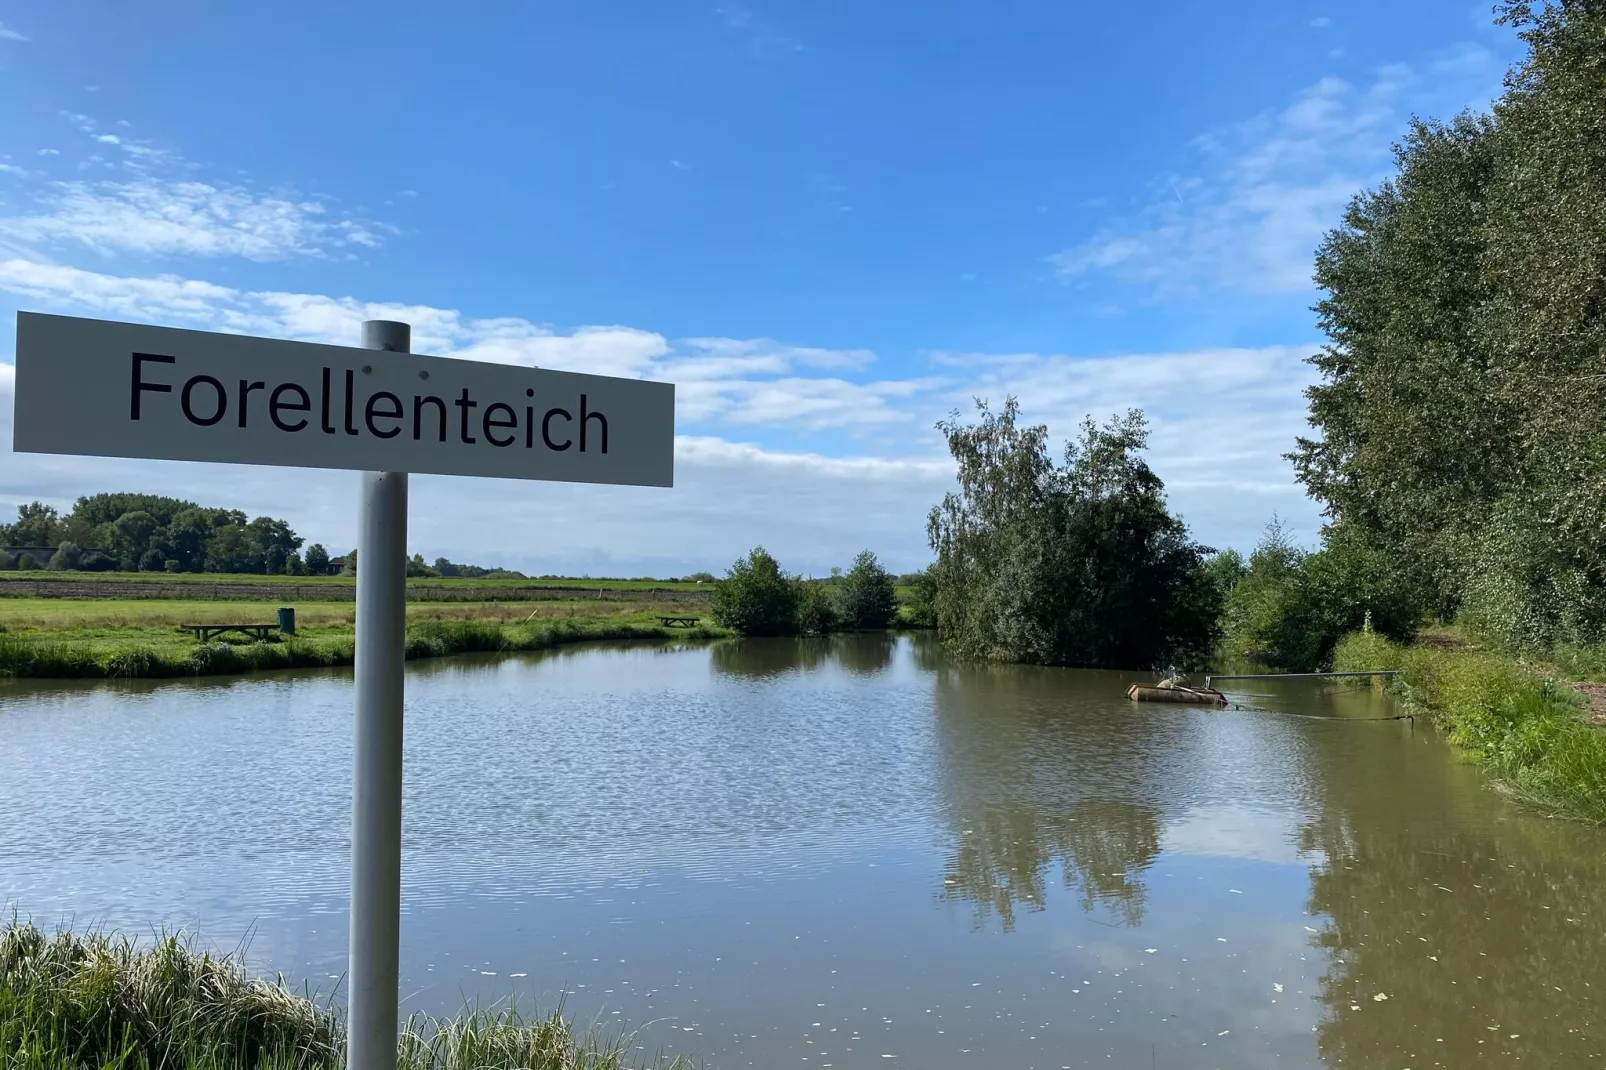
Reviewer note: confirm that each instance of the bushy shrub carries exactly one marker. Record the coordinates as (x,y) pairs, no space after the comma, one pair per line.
(1290,608)
(817,609)
(865,595)
(756,597)
(65,558)
(1527,589)
(152,560)
(923,603)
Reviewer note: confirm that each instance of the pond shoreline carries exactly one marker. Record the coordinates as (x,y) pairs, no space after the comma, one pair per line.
(47,658)
(1529,730)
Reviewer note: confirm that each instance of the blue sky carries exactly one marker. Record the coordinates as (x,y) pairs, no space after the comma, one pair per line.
(829,224)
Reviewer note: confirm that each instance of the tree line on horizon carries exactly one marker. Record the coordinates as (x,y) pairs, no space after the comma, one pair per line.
(150,533)
(126,532)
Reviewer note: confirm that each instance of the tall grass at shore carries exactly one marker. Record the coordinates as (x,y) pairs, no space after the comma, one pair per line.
(1514,718)
(23,656)
(101,1002)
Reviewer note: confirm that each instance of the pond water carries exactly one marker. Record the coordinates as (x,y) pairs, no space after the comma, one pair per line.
(846,853)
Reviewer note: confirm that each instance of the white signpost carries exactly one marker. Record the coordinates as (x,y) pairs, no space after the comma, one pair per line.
(103,389)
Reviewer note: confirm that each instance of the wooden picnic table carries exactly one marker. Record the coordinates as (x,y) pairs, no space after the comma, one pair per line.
(204,632)
(679,622)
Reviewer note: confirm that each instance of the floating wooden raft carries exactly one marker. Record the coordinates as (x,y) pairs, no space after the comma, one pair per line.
(1146,693)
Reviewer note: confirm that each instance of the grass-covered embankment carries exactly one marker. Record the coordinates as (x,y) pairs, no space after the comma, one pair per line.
(1516,718)
(134,647)
(99,1002)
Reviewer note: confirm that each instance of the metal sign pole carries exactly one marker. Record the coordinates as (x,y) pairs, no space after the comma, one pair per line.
(376,815)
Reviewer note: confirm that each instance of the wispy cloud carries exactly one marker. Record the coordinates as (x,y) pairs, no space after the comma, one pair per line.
(186,218)
(1218,444)
(758,36)
(8,34)
(157,207)
(736,381)
(1321,22)
(1249,213)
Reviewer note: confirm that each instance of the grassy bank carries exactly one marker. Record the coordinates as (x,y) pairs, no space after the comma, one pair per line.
(1517,719)
(128,645)
(99,1002)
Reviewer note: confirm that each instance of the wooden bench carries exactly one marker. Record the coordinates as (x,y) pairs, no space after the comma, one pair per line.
(679,622)
(205,632)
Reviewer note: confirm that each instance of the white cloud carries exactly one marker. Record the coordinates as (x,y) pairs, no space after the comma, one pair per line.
(1263,192)
(8,34)
(1321,22)
(813,511)
(740,381)
(1221,419)
(50,152)
(185,218)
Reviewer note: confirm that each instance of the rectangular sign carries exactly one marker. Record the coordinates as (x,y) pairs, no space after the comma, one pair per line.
(104,389)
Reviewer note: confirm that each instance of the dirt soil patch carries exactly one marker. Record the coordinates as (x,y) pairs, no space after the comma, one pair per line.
(1596,696)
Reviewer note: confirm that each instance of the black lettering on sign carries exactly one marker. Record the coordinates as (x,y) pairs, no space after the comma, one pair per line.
(276,406)
(138,385)
(351,428)
(245,393)
(546,429)
(490,426)
(327,427)
(222,400)
(465,404)
(586,418)
(370,413)
(418,414)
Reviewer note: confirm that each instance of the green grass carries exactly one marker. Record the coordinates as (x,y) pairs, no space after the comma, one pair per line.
(1514,717)
(1580,662)
(101,1002)
(155,651)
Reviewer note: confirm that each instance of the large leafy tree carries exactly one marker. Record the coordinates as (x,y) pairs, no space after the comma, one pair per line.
(1461,415)
(1080,563)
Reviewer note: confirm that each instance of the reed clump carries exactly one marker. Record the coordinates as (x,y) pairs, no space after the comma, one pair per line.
(100,1001)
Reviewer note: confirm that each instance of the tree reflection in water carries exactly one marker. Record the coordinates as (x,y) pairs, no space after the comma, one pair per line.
(1043,768)
(1101,847)
(864,654)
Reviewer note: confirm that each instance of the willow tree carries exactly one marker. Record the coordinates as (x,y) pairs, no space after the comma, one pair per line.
(1076,563)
